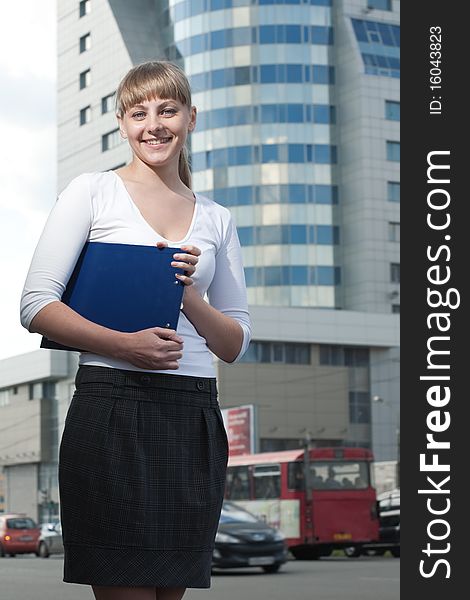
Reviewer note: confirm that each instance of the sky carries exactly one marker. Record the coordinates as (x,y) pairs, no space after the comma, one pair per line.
(28,153)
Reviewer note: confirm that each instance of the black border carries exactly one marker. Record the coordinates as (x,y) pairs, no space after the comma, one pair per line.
(422,133)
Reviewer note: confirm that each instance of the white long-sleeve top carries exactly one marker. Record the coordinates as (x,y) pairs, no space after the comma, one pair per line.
(97,207)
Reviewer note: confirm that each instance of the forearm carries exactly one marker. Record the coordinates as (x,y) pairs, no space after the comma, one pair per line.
(61,324)
(223,334)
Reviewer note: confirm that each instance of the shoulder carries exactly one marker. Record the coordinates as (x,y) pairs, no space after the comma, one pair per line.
(220,216)
(220,222)
(90,186)
(90,180)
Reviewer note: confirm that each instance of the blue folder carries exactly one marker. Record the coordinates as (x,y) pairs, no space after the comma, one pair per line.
(124,287)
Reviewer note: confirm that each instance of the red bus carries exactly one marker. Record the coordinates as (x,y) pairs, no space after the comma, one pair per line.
(336,509)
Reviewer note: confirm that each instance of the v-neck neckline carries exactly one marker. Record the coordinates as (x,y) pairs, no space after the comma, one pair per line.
(142,218)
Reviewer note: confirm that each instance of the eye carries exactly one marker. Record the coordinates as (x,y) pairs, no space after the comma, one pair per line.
(170,111)
(139,114)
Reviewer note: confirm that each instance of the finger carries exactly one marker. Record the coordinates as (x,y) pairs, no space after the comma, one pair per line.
(191,250)
(168,334)
(162,244)
(184,279)
(186,268)
(172,346)
(188,258)
(174,355)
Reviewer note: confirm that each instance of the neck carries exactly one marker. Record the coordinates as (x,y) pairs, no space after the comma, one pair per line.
(163,177)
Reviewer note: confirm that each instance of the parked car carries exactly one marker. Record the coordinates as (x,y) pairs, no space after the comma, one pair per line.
(19,534)
(50,540)
(389,528)
(243,540)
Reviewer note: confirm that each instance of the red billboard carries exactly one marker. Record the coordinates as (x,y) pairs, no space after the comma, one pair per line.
(239,424)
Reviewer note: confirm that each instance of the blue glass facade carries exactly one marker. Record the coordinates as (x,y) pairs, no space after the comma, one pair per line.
(266,113)
(274,73)
(185,9)
(379,44)
(247,155)
(274,194)
(265,136)
(265,34)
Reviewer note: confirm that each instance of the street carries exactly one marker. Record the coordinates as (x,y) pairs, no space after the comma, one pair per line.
(365,578)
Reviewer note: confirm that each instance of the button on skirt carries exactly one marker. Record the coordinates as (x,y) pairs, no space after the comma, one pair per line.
(142,468)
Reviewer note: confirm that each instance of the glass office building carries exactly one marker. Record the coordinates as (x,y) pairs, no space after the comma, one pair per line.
(265,141)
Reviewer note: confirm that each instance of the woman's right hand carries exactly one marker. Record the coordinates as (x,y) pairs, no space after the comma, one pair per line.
(156,348)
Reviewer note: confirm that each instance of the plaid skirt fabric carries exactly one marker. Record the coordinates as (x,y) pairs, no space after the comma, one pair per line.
(142,467)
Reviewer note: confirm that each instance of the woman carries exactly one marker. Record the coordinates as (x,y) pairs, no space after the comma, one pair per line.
(144,451)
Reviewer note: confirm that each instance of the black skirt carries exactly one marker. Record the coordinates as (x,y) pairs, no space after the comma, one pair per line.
(142,468)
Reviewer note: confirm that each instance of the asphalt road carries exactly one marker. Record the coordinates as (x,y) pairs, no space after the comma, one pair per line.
(337,578)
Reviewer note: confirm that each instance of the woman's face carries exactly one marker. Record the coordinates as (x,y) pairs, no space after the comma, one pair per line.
(157,129)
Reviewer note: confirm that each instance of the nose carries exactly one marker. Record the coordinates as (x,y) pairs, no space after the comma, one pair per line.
(154,123)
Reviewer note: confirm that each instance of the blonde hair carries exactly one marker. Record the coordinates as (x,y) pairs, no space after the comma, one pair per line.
(156,78)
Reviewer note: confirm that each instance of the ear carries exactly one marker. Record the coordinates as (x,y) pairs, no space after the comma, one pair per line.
(122,130)
(192,123)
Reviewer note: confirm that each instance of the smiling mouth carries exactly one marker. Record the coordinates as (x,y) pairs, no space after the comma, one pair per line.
(159,142)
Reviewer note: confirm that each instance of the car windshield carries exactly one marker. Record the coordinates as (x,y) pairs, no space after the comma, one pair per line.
(231,513)
(21,523)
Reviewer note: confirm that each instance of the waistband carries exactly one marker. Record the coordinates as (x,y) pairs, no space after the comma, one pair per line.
(120,379)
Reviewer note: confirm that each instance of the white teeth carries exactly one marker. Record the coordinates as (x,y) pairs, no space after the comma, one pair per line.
(155,142)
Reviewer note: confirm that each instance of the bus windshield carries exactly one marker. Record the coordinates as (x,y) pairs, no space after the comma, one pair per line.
(331,475)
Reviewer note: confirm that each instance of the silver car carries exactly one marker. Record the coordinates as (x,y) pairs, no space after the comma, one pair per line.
(50,540)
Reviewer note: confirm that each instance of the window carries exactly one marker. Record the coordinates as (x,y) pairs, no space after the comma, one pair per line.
(295,476)
(238,484)
(356,357)
(84,8)
(395,272)
(110,140)
(85,79)
(322,113)
(343,356)
(380,4)
(21,523)
(393,191)
(329,475)
(393,151)
(359,407)
(392,110)
(267,481)
(271,352)
(48,389)
(85,115)
(393,232)
(107,103)
(4,398)
(326,275)
(378,61)
(85,42)
(331,355)
(35,391)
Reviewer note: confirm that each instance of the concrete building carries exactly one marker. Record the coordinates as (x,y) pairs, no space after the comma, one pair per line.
(298,134)
(35,391)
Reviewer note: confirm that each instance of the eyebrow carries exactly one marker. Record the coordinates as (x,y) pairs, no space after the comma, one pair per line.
(159,105)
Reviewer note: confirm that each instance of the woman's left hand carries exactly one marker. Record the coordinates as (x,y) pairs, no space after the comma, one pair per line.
(186,260)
